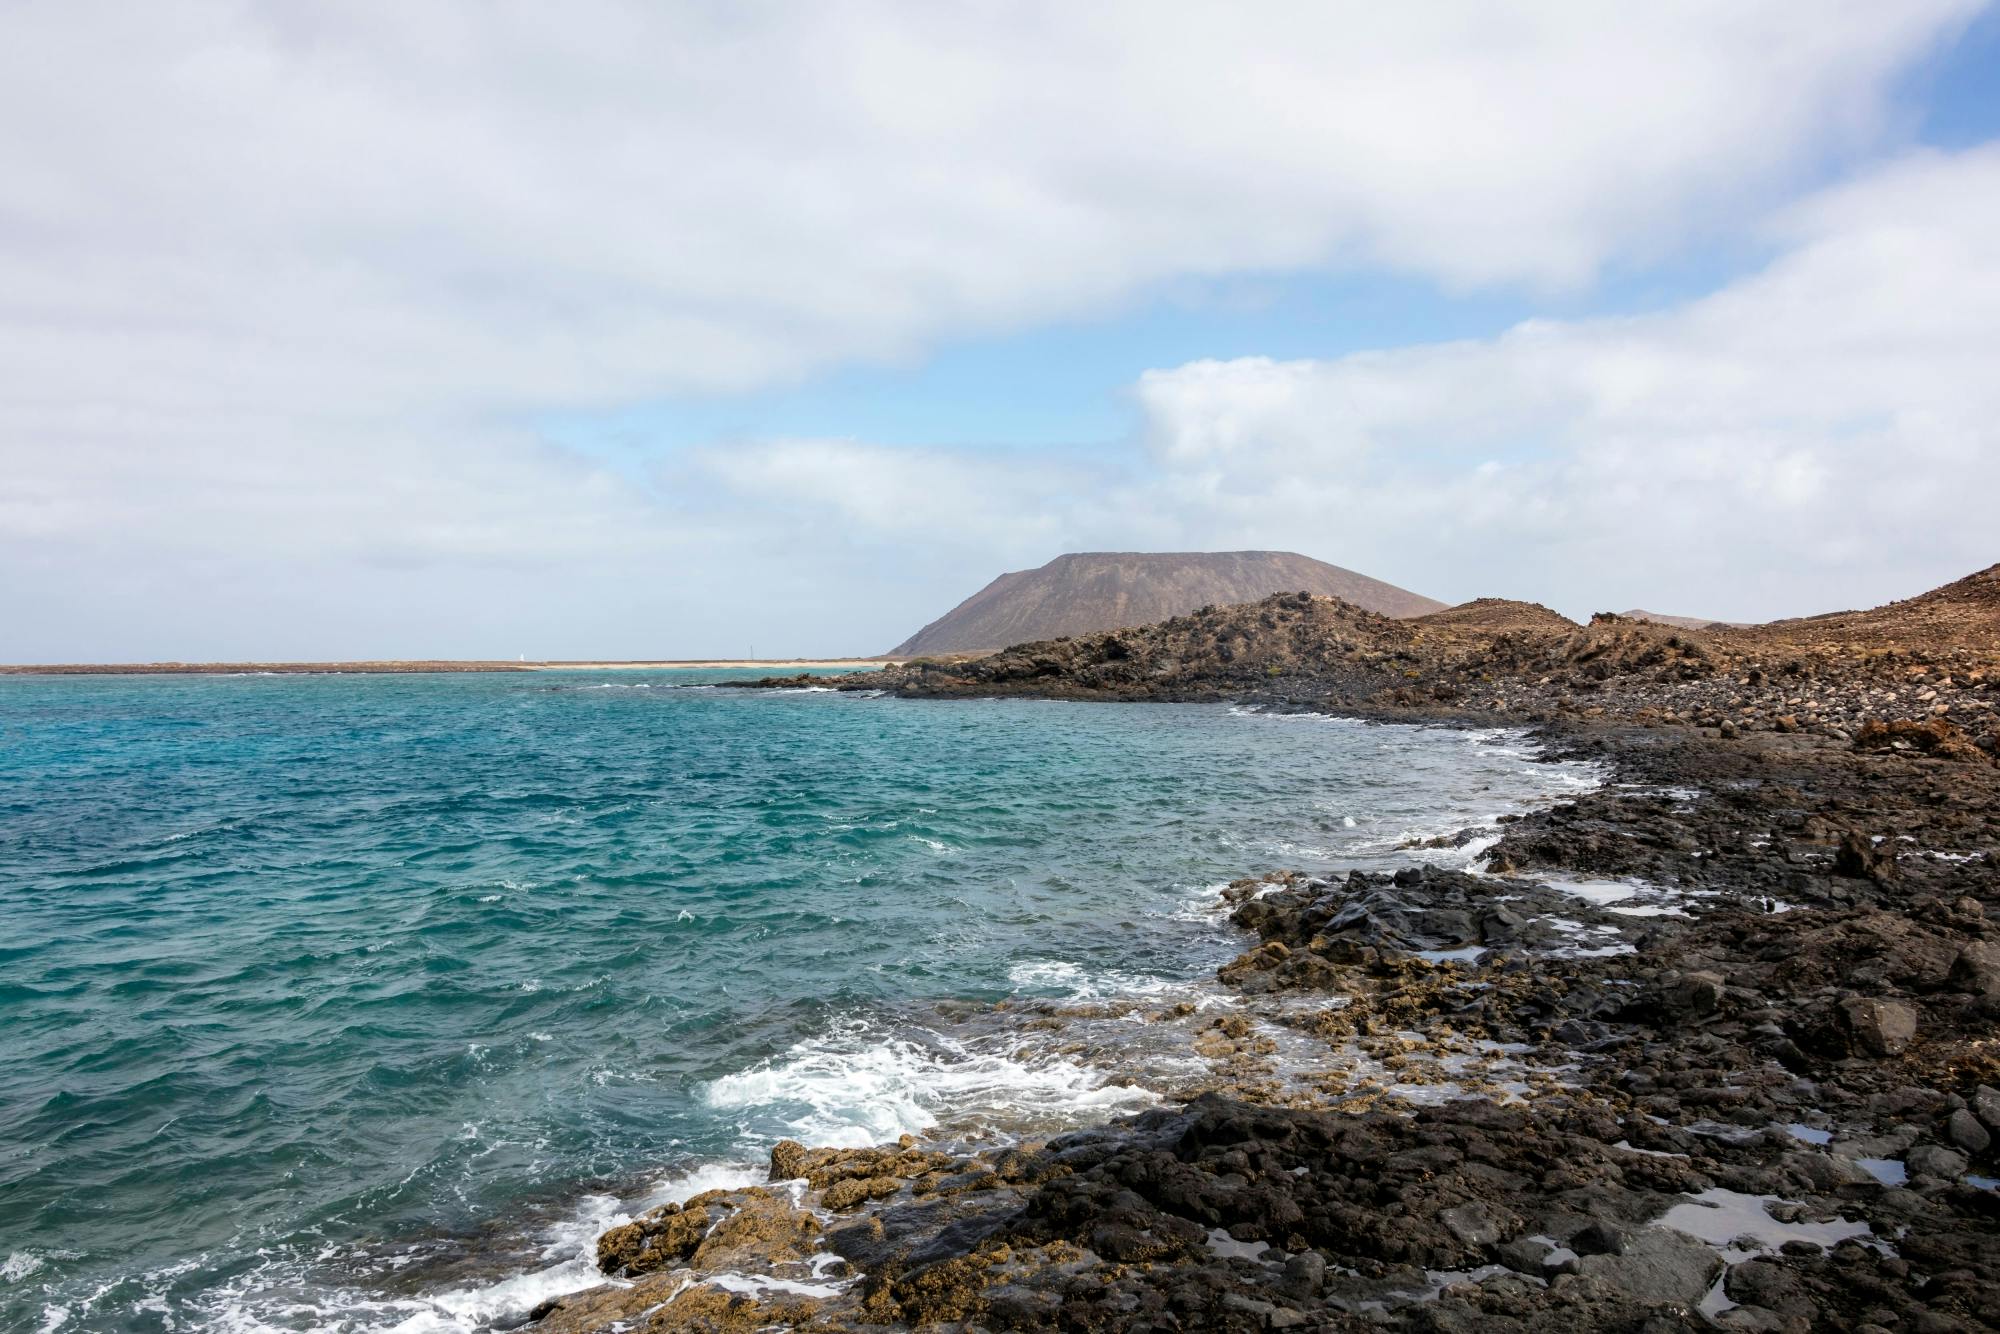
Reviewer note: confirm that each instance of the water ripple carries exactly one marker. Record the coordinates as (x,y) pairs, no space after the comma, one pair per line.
(335,1001)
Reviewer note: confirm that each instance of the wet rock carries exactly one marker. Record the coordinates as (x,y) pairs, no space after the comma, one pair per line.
(1963,1129)
(1862,858)
(1976,970)
(1934,1160)
(1524,1255)
(963,1235)
(760,1233)
(863,1244)
(1597,1238)
(788,1160)
(657,1240)
(822,1168)
(1477,1225)
(846,1194)
(1826,1173)
(1986,1104)
(952,1290)
(1695,994)
(1879,1027)
(1768,1284)
(1761,1320)
(1014,1306)
(1657,1265)
(694,1308)
(1304,1275)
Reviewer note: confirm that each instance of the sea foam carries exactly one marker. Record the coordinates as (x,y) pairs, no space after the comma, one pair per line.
(855,1087)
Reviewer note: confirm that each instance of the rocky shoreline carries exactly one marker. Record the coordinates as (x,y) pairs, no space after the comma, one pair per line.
(1716,1045)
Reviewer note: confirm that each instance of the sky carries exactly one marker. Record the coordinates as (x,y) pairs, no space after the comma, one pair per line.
(696,330)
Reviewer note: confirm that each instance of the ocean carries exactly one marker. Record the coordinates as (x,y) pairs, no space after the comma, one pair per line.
(363,1003)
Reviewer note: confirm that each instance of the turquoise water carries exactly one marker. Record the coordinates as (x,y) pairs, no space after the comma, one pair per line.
(359,1003)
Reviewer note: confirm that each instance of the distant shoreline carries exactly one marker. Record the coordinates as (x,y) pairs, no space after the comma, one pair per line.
(432,666)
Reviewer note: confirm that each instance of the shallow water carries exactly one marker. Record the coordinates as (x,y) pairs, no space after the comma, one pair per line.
(359,1003)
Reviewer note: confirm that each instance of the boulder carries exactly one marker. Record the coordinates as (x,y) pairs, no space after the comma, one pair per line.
(1986,1105)
(657,1240)
(1977,969)
(1768,1284)
(1657,1265)
(1862,858)
(1964,1130)
(1597,1237)
(1879,1027)
(1934,1160)
(1524,1255)
(763,1231)
(1477,1225)
(1696,994)
(1304,1275)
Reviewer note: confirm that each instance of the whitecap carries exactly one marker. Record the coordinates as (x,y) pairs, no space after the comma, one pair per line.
(855,1087)
(757,1285)
(1075,983)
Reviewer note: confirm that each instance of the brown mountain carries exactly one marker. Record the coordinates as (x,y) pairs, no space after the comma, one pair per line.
(1086,592)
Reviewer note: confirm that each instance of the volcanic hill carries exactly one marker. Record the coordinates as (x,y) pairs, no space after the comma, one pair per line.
(1088,592)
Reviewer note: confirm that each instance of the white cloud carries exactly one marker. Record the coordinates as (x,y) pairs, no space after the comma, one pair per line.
(1825,432)
(274,281)
(986,503)
(1828,426)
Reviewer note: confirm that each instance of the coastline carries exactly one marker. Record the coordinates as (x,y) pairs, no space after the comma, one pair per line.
(388,667)
(1709,1047)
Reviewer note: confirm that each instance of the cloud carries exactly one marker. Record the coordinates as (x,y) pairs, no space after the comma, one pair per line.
(1831,423)
(509,204)
(278,286)
(1822,433)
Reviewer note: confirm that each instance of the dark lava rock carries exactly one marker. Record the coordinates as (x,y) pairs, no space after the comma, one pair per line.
(1862,858)
(1977,969)
(1657,1265)
(1880,1027)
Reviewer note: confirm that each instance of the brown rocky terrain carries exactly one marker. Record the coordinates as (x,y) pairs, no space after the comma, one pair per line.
(1960,616)
(1500,615)
(1092,591)
(1713,1045)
